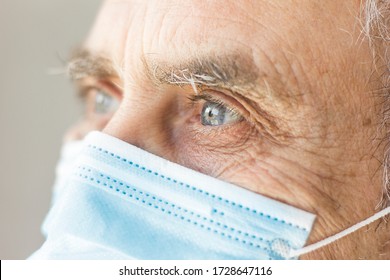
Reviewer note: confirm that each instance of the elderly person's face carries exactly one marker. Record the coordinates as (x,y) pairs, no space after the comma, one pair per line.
(274,96)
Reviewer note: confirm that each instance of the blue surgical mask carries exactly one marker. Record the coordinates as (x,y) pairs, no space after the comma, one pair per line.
(121,202)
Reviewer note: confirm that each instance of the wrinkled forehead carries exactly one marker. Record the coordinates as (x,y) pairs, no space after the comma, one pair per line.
(178,29)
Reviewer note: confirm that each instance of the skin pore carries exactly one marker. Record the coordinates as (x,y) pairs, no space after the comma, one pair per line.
(292,80)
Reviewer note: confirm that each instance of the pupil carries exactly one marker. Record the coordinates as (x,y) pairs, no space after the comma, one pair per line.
(213,111)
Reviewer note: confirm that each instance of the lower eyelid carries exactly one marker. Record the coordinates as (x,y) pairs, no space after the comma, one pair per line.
(218,130)
(219,138)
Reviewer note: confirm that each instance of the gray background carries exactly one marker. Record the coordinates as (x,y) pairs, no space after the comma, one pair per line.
(35,110)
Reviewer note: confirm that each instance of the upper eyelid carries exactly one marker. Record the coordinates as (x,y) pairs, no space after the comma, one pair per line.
(220,97)
(209,98)
(87,85)
(83,91)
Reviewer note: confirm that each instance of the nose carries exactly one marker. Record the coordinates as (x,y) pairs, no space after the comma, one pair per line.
(145,121)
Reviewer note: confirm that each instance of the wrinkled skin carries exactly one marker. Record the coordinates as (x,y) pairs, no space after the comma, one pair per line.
(306,132)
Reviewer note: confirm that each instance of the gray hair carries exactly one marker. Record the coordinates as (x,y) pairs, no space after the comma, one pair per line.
(376,26)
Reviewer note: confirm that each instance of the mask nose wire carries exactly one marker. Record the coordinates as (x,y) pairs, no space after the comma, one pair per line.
(333,238)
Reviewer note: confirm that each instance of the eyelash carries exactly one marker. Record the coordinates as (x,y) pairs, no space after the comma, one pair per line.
(196,98)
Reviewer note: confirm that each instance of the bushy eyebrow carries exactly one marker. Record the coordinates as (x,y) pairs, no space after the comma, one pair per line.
(83,64)
(230,71)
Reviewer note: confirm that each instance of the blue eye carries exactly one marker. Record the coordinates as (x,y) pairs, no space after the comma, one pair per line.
(105,103)
(215,114)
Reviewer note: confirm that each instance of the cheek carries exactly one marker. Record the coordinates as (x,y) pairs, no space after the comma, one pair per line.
(253,172)
(254,166)
(211,150)
(79,130)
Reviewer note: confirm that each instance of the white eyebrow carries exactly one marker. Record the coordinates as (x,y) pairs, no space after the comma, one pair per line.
(214,71)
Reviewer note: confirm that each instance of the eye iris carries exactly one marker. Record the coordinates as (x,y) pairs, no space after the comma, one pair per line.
(213,114)
(103,103)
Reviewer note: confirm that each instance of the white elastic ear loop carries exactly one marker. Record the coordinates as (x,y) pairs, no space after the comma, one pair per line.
(333,238)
